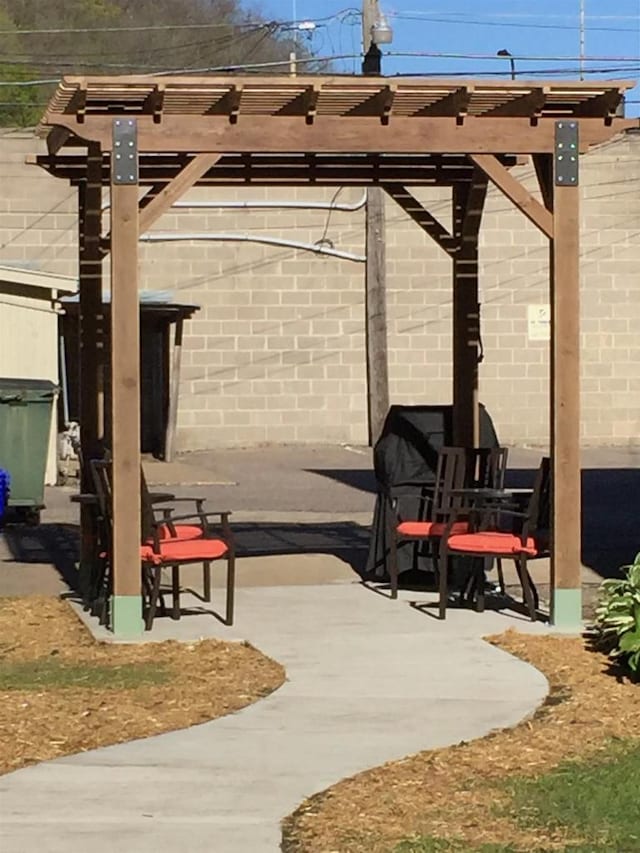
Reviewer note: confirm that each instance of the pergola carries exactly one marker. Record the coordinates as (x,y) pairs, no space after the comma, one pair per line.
(151,139)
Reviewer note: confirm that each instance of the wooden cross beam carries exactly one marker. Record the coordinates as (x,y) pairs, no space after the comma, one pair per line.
(187,178)
(427,221)
(514,190)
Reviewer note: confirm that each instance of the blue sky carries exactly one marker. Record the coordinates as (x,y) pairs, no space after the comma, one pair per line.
(538,33)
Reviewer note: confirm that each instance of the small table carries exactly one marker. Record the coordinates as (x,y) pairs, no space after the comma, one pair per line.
(486,493)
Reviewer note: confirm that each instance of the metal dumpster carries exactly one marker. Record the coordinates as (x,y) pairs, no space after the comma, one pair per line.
(26,408)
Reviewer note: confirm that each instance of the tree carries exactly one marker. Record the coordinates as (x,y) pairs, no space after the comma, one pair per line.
(18,103)
(178,35)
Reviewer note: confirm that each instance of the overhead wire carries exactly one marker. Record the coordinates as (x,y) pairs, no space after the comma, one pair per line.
(433,19)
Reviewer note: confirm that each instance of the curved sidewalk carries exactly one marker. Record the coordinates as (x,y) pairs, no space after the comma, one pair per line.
(369,680)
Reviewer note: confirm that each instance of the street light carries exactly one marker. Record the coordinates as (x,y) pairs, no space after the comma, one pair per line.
(376,30)
(512,62)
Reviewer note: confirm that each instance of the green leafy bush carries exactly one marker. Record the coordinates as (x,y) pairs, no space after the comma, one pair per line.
(618,617)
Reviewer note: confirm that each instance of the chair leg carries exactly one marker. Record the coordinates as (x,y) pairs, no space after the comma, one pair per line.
(526,583)
(153,598)
(393,564)
(231,587)
(478,586)
(503,589)
(443,585)
(175,592)
(206,581)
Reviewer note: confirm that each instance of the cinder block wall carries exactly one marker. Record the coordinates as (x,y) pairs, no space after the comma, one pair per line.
(276,353)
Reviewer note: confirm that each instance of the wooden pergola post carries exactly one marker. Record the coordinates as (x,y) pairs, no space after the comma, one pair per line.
(566,581)
(126,605)
(468,204)
(89,316)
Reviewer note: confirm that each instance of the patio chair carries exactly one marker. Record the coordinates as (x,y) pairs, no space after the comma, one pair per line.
(456,468)
(167,543)
(528,538)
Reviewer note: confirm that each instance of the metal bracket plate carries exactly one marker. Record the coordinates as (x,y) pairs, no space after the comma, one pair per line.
(124,156)
(566,154)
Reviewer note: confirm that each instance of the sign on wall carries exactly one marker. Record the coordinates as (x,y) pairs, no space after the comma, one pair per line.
(539,322)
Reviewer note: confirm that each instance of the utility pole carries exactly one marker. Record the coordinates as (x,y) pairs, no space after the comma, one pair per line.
(293,55)
(375,276)
(582,38)
(372,62)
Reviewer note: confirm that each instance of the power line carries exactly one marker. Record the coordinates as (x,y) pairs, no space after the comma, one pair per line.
(172,27)
(520,57)
(141,29)
(434,19)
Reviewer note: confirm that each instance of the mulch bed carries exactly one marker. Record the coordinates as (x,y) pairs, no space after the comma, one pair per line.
(207,679)
(451,793)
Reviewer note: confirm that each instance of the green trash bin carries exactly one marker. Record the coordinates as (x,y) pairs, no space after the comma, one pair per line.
(26,408)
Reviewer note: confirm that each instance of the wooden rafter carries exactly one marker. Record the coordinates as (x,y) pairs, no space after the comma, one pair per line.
(380,103)
(514,190)
(154,102)
(531,103)
(326,170)
(339,96)
(605,104)
(78,103)
(229,103)
(455,103)
(189,176)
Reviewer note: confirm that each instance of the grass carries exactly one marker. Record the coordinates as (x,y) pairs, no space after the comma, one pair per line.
(61,692)
(564,780)
(48,673)
(578,800)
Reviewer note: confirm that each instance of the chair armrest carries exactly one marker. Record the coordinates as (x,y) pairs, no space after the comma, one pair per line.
(169,516)
(85,499)
(161,497)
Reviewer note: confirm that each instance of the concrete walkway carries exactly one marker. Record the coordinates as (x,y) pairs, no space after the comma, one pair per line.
(369,680)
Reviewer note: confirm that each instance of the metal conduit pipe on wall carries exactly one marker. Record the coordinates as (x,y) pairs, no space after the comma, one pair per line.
(268,205)
(273,205)
(173,237)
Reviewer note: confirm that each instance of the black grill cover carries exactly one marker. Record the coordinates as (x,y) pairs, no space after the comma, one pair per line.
(407,453)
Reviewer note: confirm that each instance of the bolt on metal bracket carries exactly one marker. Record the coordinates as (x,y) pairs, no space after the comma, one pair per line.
(566,159)
(124,154)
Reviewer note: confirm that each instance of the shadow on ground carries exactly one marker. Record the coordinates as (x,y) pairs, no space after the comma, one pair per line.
(362,479)
(610,510)
(610,516)
(58,545)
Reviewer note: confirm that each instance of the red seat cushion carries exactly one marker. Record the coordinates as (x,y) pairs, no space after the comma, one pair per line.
(180,550)
(419,529)
(183,532)
(492,542)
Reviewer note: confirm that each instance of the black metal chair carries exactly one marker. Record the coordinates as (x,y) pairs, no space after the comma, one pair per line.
(456,469)
(166,542)
(507,533)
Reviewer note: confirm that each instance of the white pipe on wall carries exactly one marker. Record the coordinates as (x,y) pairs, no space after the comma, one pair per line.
(268,205)
(175,237)
(273,205)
